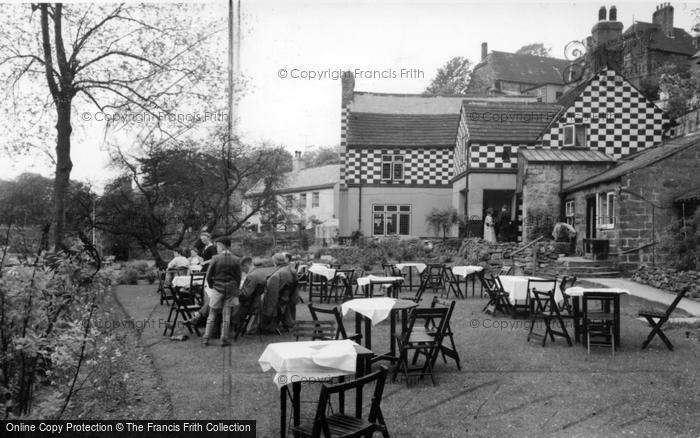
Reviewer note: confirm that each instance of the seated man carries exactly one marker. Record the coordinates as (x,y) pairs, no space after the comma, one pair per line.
(178,263)
(252,290)
(281,297)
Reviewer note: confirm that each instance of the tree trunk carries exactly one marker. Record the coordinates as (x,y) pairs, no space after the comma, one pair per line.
(64,165)
(153,247)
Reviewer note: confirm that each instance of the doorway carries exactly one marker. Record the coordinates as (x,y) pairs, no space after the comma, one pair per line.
(590,217)
(496,199)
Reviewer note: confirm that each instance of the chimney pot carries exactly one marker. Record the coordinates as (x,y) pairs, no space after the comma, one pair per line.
(484,50)
(602,12)
(613,13)
(348,87)
(297,162)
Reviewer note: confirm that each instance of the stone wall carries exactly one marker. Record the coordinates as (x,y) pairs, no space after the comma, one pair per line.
(660,183)
(492,256)
(580,215)
(669,279)
(541,184)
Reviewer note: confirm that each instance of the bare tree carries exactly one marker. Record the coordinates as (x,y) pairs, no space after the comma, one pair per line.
(121,59)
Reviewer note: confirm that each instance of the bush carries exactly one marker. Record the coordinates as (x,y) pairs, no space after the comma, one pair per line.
(129,275)
(151,276)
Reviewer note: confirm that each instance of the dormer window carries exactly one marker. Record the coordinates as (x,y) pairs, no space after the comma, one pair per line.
(575,136)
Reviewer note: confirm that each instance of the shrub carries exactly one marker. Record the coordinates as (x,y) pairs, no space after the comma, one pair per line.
(129,275)
(151,276)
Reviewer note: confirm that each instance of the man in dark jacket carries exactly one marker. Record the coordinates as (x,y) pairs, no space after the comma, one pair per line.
(223,279)
(281,297)
(207,252)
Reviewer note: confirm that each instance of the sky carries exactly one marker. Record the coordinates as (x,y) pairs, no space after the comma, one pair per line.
(286,41)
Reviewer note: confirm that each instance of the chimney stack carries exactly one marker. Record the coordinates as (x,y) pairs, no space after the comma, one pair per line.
(606,31)
(298,163)
(613,13)
(348,85)
(663,16)
(602,14)
(484,50)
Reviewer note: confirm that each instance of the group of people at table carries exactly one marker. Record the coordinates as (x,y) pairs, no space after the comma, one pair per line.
(235,286)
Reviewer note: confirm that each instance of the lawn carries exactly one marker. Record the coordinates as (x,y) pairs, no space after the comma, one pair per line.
(507,386)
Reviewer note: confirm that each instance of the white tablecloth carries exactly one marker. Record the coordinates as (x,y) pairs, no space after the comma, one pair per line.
(184,281)
(365,281)
(323,271)
(309,360)
(420,267)
(516,286)
(578,291)
(376,309)
(465,271)
(195,268)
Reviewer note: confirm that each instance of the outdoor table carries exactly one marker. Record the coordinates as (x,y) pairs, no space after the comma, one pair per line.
(312,361)
(576,293)
(335,277)
(367,284)
(418,266)
(516,286)
(375,310)
(466,272)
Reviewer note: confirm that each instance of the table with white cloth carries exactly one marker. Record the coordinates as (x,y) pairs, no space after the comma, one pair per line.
(372,311)
(393,284)
(576,294)
(312,361)
(329,280)
(183,281)
(517,288)
(467,272)
(418,266)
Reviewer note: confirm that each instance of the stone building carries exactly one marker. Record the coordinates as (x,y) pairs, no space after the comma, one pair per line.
(631,205)
(502,73)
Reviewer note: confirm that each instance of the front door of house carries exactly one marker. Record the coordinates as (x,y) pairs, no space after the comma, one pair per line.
(590,217)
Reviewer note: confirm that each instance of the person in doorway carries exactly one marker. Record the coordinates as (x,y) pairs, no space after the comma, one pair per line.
(503,226)
(489,232)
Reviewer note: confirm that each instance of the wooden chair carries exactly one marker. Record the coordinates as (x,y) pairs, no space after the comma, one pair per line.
(566,306)
(184,304)
(505,270)
(339,424)
(420,342)
(197,286)
(599,324)
(340,332)
(163,291)
(657,319)
(430,327)
(543,307)
(452,283)
(499,300)
(341,282)
(432,277)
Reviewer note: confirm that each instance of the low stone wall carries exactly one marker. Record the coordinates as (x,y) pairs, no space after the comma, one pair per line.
(492,256)
(671,280)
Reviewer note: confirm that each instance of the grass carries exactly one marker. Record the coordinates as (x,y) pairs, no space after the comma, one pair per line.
(507,386)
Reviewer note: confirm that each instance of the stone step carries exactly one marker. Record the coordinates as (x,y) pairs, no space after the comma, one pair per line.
(588,263)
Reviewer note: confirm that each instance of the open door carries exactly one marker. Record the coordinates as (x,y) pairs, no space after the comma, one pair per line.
(591,217)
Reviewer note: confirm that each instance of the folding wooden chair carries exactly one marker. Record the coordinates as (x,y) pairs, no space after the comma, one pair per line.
(184,304)
(657,319)
(453,283)
(543,307)
(420,342)
(432,277)
(162,272)
(430,327)
(505,270)
(340,332)
(197,286)
(566,306)
(166,291)
(599,324)
(499,300)
(339,424)
(341,282)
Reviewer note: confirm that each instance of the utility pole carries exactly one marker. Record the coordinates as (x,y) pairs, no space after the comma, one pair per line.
(234,36)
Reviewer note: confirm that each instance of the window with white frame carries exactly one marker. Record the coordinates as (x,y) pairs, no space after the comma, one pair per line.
(570,212)
(314,199)
(606,210)
(575,135)
(302,200)
(289,201)
(391,220)
(392,167)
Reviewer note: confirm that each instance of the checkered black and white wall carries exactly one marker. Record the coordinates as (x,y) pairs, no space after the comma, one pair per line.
(620,120)
(494,156)
(421,166)
(460,164)
(344,112)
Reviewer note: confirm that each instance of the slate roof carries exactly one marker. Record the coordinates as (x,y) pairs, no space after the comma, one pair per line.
(370,129)
(310,177)
(508,121)
(692,195)
(640,160)
(529,69)
(681,42)
(583,155)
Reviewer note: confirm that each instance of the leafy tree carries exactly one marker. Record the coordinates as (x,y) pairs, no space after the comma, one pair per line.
(173,189)
(452,78)
(124,59)
(323,155)
(679,86)
(441,220)
(536,49)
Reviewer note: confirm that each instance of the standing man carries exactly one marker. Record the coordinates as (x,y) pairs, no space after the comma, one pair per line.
(208,251)
(223,279)
(503,228)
